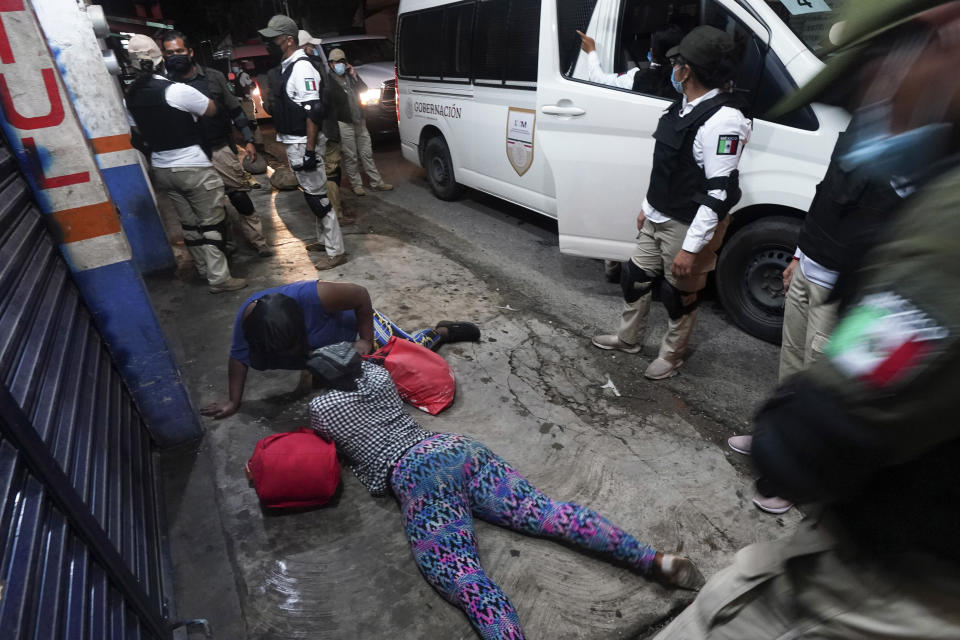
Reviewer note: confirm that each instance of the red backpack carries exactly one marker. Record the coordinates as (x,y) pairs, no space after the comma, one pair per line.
(423,378)
(295,469)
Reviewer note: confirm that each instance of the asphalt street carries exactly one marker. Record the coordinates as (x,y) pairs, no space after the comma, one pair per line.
(580,423)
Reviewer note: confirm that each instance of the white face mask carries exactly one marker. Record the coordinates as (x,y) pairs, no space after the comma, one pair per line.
(339,68)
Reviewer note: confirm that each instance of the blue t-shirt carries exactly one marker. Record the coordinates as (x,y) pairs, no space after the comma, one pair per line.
(322,328)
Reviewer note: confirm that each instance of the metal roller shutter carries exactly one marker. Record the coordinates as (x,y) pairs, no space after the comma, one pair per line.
(80,535)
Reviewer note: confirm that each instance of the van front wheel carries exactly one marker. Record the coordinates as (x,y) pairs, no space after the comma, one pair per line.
(750,274)
(439,166)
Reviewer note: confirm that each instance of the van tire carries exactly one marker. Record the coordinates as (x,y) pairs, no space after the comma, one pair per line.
(749,274)
(439,166)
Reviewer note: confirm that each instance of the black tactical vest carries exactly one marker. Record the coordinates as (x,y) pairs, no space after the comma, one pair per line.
(846,214)
(217,129)
(678,186)
(162,126)
(289,118)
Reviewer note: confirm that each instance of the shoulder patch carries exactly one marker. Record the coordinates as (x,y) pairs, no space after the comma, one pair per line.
(884,340)
(310,84)
(728,145)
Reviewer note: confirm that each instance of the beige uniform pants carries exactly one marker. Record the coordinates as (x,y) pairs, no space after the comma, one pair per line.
(808,587)
(807,323)
(657,245)
(197,195)
(331,165)
(355,146)
(227,164)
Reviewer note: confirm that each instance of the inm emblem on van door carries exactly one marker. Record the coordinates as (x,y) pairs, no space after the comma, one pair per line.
(521,124)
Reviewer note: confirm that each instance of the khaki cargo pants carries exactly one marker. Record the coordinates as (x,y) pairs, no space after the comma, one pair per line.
(197,195)
(807,587)
(657,245)
(356,149)
(227,164)
(808,321)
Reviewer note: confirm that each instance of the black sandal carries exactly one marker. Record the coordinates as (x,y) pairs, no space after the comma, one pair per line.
(460,331)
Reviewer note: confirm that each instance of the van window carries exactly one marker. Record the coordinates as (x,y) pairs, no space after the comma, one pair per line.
(457,28)
(506,42)
(624,34)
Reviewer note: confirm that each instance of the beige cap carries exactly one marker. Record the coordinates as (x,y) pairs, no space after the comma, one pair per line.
(336,54)
(304,37)
(141,47)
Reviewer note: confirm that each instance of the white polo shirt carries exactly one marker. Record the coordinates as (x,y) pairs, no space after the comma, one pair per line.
(185,98)
(303,86)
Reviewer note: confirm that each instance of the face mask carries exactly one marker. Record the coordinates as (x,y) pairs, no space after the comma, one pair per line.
(236,70)
(339,68)
(275,51)
(178,64)
(677,85)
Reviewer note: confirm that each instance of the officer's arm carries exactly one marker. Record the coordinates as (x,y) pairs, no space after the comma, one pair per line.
(885,392)
(211,109)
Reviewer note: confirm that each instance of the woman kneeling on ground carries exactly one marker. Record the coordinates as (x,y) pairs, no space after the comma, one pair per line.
(443,480)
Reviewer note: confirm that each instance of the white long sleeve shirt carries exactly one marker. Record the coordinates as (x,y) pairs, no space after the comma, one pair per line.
(595,73)
(713,154)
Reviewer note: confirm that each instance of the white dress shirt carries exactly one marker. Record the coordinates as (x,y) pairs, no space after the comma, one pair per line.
(726,121)
(595,73)
(184,98)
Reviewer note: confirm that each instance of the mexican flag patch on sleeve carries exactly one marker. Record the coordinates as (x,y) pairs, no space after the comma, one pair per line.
(310,84)
(728,145)
(883,340)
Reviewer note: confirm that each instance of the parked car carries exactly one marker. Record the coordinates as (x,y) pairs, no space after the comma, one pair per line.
(492,95)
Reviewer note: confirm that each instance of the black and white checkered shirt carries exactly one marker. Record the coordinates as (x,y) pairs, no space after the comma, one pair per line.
(369,426)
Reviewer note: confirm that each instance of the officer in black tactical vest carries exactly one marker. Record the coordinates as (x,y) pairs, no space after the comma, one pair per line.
(693,185)
(165,117)
(298,114)
(218,131)
(867,437)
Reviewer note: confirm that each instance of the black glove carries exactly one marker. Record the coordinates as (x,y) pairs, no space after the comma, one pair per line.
(309,162)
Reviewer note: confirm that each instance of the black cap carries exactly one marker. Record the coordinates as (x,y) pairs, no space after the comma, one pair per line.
(704,46)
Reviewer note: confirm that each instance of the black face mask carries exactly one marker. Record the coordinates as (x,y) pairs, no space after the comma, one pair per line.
(275,51)
(178,64)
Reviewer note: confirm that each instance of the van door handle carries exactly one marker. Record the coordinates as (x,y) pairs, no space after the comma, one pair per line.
(561,110)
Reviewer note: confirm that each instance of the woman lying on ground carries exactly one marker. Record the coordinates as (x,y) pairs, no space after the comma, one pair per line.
(276,329)
(443,480)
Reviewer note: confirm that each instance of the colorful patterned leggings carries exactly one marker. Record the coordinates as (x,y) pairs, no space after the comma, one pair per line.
(383,328)
(444,481)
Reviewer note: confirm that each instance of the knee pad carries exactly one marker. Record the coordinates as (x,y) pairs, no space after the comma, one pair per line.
(212,234)
(319,205)
(242,202)
(634,281)
(678,303)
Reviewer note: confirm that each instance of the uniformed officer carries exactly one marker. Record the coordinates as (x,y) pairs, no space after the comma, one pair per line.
(218,133)
(868,436)
(693,184)
(165,117)
(298,115)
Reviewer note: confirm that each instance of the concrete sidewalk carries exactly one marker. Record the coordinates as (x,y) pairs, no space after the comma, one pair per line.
(531,389)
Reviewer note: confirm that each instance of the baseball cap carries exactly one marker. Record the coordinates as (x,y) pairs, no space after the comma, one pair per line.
(141,47)
(704,46)
(304,37)
(336,54)
(279,25)
(865,23)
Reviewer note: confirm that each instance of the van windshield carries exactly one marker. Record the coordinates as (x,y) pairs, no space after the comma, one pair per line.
(361,52)
(811,20)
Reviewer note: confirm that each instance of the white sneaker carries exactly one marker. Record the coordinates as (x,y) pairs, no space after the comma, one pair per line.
(611,343)
(772,504)
(661,369)
(740,444)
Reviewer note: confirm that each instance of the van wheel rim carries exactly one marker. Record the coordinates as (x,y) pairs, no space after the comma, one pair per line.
(764,278)
(438,170)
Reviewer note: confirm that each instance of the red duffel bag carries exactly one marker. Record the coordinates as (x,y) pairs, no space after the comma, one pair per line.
(423,378)
(295,469)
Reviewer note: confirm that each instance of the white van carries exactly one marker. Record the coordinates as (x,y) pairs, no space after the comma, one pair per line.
(491,96)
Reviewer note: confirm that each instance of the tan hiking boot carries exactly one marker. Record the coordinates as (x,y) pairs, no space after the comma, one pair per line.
(233,284)
(328,262)
(316,247)
(359,191)
(383,186)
